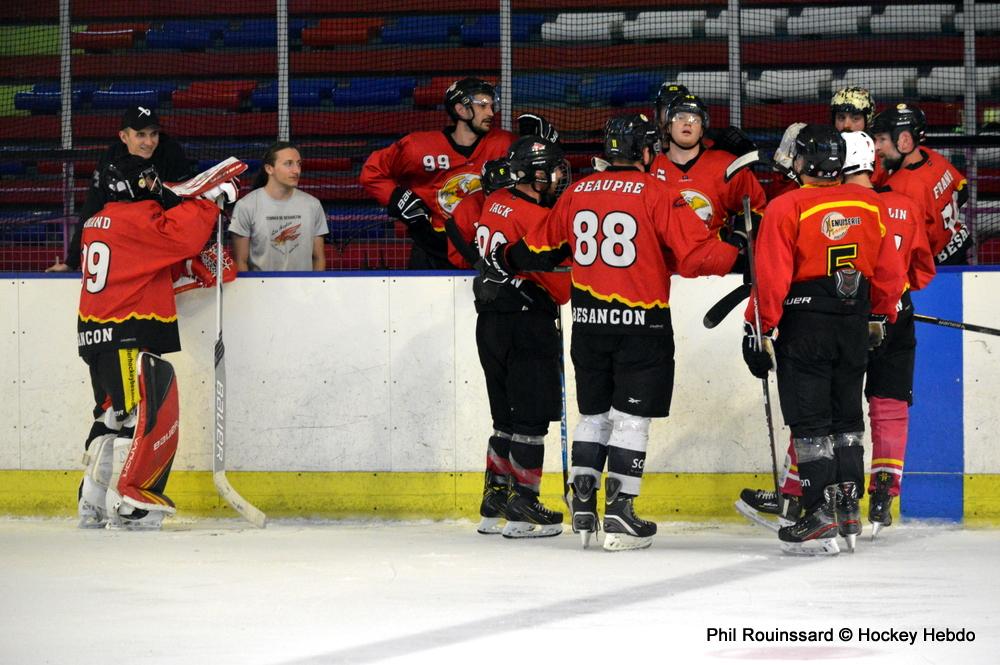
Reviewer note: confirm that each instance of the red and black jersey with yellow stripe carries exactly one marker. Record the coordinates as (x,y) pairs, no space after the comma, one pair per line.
(127,295)
(810,233)
(627,232)
(907,226)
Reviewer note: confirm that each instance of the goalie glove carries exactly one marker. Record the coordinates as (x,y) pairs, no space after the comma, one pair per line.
(759,358)
(783,155)
(733,140)
(198,272)
(407,207)
(494,272)
(227,191)
(876,330)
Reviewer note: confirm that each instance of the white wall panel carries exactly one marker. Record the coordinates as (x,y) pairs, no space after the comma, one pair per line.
(10,377)
(981,360)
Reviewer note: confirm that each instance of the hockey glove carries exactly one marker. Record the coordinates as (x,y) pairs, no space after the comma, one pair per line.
(759,360)
(407,207)
(198,272)
(734,140)
(530,124)
(494,272)
(876,330)
(227,191)
(783,155)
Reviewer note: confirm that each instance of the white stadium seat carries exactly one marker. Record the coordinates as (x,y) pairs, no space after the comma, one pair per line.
(885,84)
(827,20)
(597,26)
(753,23)
(950,81)
(710,86)
(987,18)
(790,84)
(659,25)
(911,18)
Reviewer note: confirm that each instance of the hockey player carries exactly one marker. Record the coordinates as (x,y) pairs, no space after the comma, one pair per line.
(926,176)
(520,346)
(700,173)
(424,175)
(730,139)
(126,315)
(626,232)
(823,263)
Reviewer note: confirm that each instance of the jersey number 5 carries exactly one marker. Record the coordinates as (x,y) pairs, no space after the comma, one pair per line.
(97,260)
(616,249)
(840,256)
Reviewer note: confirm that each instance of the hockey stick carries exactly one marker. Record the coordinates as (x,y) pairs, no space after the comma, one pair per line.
(754,295)
(726,304)
(971,327)
(562,424)
(756,157)
(226,491)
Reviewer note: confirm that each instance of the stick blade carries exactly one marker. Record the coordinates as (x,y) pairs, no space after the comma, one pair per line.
(249,512)
(742,162)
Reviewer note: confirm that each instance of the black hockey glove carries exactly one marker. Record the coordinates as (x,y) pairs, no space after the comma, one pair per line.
(734,140)
(759,360)
(531,124)
(876,330)
(407,207)
(494,272)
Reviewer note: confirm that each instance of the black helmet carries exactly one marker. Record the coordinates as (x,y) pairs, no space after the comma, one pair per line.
(853,100)
(463,91)
(904,117)
(822,150)
(130,178)
(665,96)
(496,175)
(626,135)
(530,155)
(689,104)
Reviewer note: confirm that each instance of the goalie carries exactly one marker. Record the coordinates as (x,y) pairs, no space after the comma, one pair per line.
(127,318)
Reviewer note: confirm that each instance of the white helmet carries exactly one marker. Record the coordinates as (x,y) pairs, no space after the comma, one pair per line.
(860,153)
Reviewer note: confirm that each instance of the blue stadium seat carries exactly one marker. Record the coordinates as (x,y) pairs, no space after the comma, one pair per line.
(260,33)
(46,97)
(374,91)
(86,88)
(163,89)
(542,87)
(120,99)
(621,89)
(12,168)
(486,29)
(190,40)
(421,29)
(215,28)
(266,97)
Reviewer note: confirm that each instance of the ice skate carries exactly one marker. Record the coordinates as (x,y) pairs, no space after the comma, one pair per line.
(137,520)
(623,529)
(528,518)
(848,513)
(754,504)
(91,516)
(814,534)
(880,506)
(491,510)
(584,507)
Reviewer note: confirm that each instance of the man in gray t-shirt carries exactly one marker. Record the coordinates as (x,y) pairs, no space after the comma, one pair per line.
(277,226)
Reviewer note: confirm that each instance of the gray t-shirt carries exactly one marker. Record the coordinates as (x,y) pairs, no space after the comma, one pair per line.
(281,232)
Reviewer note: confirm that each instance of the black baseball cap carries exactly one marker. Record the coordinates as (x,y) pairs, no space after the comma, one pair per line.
(140,117)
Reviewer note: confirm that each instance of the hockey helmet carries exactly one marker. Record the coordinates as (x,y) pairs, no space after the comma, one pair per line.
(853,99)
(536,161)
(822,150)
(665,96)
(464,91)
(496,175)
(902,118)
(860,153)
(130,178)
(689,104)
(625,136)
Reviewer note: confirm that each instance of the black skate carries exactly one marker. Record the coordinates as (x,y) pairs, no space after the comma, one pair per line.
(754,504)
(584,507)
(623,529)
(491,510)
(528,518)
(816,533)
(848,513)
(880,506)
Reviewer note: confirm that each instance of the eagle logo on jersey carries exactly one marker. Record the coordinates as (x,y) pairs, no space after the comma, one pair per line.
(835,226)
(457,188)
(701,204)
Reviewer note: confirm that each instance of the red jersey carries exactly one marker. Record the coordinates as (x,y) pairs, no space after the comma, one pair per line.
(466,218)
(127,297)
(908,228)
(775,184)
(440,172)
(627,230)
(810,233)
(703,185)
(937,184)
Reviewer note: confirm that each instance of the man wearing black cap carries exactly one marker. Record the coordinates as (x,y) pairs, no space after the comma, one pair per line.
(140,135)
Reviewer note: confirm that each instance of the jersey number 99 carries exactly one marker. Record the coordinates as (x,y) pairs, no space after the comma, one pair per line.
(97,260)
(442,162)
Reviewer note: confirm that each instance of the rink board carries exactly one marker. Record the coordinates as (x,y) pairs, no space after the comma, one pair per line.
(371,384)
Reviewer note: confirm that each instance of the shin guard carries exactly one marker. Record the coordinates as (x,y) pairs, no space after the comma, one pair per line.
(849,456)
(526,455)
(497,454)
(816,468)
(590,446)
(889,420)
(627,451)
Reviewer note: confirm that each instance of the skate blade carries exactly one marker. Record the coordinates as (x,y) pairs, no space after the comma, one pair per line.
(619,542)
(876,527)
(851,541)
(489,526)
(817,547)
(747,511)
(529,530)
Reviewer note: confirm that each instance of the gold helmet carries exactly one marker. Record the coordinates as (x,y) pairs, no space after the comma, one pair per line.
(853,99)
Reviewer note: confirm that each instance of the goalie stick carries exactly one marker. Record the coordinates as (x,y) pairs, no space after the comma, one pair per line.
(726,304)
(222,485)
(971,327)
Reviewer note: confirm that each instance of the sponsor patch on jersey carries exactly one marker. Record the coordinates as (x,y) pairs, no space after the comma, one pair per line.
(835,226)
(456,189)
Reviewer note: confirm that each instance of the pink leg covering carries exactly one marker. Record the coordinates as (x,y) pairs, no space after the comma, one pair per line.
(889,421)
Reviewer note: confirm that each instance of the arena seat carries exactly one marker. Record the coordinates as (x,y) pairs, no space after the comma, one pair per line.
(827,20)
(885,84)
(102,39)
(620,89)
(486,29)
(301,93)
(163,89)
(594,26)
(215,27)
(911,19)
(228,95)
(987,18)
(542,87)
(950,81)
(421,29)
(260,33)
(710,86)
(46,97)
(12,168)
(55,166)
(184,40)
(789,84)
(365,91)
(664,25)
(432,92)
(753,22)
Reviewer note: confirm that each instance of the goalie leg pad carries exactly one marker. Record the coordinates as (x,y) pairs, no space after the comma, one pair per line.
(143,462)
(96,477)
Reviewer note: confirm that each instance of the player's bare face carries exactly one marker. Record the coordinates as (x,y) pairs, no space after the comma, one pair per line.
(885,150)
(140,142)
(686,130)
(287,168)
(849,122)
(482,113)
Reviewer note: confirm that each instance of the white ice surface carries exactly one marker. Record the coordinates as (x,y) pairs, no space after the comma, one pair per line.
(312,593)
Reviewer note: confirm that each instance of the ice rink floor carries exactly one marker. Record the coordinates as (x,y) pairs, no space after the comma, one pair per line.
(312,593)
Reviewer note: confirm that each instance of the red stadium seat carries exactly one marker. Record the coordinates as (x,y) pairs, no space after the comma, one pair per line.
(335,32)
(227,95)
